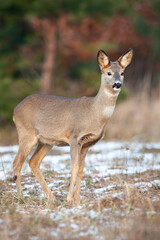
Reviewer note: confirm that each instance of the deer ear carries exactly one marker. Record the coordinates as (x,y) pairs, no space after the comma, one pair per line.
(126,58)
(103,60)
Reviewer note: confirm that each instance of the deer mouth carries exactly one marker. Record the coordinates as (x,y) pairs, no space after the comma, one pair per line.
(117,86)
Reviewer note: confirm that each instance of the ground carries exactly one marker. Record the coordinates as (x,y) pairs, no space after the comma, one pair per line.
(120,195)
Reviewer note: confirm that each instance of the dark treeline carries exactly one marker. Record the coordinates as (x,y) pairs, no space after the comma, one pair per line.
(51,46)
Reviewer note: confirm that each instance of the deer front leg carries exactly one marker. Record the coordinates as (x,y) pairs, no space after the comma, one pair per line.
(75,156)
(79,176)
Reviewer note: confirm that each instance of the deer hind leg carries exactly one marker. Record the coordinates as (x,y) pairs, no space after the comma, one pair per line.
(79,176)
(25,146)
(75,155)
(34,164)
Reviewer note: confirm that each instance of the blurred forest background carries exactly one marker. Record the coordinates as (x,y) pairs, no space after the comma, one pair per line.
(51,47)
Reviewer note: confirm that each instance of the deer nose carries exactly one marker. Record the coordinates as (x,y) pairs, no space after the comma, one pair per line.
(117,85)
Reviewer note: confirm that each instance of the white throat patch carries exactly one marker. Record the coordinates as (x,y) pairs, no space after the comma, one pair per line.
(108,111)
(109,94)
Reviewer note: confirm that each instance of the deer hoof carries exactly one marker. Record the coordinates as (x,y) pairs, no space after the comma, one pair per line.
(14,178)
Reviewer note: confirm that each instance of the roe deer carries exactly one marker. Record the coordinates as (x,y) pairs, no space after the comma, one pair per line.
(78,122)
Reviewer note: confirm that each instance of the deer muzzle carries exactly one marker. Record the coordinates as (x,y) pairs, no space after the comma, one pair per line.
(117,85)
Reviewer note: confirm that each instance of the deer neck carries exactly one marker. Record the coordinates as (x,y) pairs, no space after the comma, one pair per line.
(105,100)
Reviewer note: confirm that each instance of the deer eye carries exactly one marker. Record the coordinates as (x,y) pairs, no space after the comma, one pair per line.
(109,73)
(122,73)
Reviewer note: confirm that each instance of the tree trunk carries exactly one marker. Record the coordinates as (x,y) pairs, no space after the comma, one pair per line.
(49,36)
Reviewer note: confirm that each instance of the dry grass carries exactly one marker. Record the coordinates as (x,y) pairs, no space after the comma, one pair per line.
(136,117)
(124,212)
